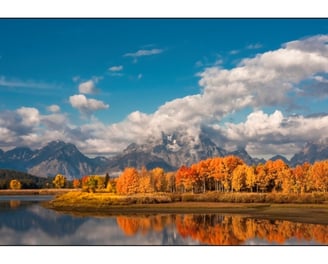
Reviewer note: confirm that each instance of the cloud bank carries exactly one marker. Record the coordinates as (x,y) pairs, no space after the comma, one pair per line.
(276,79)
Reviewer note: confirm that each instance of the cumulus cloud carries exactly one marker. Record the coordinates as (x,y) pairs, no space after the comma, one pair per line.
(85,105)
(275,133)
(29,116)
(53,108)
(266,79)
(88,87)
(272,79)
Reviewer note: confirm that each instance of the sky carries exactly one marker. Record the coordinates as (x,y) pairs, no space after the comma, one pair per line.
(101,84)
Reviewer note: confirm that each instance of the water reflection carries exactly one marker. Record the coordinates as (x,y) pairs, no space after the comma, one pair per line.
(228,230)
(28,223)
(237,230)
(31,224)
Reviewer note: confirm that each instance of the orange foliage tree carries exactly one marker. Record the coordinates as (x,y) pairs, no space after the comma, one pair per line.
(128,181)
(76,183)
(319,176)
(229,164)
(185,178)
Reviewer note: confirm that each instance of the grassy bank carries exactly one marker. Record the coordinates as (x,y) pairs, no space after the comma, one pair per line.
(35,192)
(102,204)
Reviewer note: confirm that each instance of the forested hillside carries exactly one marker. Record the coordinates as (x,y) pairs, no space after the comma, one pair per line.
(27,181)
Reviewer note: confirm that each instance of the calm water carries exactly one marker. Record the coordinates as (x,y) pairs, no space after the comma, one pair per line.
(23,221)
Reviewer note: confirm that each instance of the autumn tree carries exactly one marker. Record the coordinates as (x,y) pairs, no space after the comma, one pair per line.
(158,179)
(15,185)
(261,177)
(76,183)
(238,181)
(185,178)
(111,185)
(228,165)
(170,180)
(300,177)
(100,181)
(92,183)
(145,184)
(128,181)
(217,171)
(59,181)
(203,170)
(276,172)
(319,175)
(250,178)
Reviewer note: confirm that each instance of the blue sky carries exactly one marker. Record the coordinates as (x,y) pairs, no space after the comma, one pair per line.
(104,83)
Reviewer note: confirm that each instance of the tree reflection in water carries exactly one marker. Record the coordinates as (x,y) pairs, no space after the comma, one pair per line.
(226,230)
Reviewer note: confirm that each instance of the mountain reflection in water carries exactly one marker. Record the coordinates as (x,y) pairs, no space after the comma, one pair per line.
(28,223)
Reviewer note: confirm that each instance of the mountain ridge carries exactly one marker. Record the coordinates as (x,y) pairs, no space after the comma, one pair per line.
(169,152)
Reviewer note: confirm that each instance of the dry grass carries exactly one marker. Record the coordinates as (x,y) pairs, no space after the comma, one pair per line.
(104,200)
(36,191)
(276,198)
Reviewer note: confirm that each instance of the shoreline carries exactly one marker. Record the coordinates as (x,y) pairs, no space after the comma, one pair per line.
(35,192)
(303,213)
(72,201)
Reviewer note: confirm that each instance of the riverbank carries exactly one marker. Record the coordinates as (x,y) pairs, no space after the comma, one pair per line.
(35,192)
(100,204)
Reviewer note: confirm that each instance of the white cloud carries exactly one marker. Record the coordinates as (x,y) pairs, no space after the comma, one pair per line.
(116,68)
(6,135)
(274,133)
(88,87)
(30,116)
(53,108)
(262,81)
(139,76)
(143,52)
(85,105)
(266,80)
(25,83)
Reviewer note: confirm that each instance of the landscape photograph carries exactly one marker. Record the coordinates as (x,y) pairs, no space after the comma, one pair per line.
(164,131)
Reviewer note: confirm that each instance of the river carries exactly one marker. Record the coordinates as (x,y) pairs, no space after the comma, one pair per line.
(24,221)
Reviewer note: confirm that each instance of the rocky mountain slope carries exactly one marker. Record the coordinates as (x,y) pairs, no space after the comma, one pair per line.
(311,152)
(55,157)
(169,152)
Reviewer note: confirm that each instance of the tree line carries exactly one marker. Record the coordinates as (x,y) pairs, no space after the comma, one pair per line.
(220,174)
(15,179)
(227,174)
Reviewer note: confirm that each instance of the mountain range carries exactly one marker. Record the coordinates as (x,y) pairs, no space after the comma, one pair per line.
(169,152)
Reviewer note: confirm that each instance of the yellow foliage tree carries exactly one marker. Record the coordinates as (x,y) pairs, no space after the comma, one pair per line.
(15,185)
(59,181)
(158,179)
(238,181)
